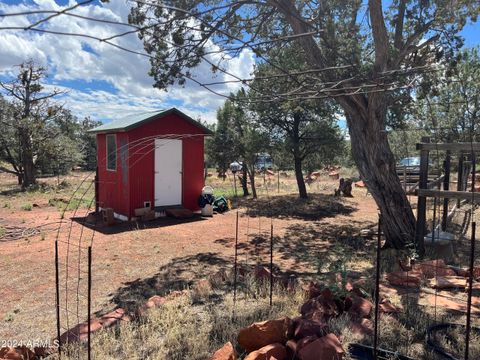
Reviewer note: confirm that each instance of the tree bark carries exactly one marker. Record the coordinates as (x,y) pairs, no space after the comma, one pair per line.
(297,159)
(251,175)
(29,172)
(302,189)
(377,168)
(244,181)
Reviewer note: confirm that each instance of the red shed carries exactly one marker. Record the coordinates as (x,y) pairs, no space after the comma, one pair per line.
(152,159)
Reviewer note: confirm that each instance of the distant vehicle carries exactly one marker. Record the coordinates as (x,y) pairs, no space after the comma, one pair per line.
(410,161)
(264,161)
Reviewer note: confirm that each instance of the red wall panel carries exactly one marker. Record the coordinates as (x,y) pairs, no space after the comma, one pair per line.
(114,189)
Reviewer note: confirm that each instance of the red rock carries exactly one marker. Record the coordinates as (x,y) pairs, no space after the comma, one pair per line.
(274,351)
(475,301)
(347,303)
(114,317)
(226,352)
(312,290)
(263,333)
(361,308)
(155,301)
(476,273)
(305,327)
(362,327)
(450,304)
(433,268)
(448,282)
(327,347)
(386,290)
(80,332)
(261,273)
(404,278)
(320,308)
(387,307)
(16,353)
(293,347)
(359,184)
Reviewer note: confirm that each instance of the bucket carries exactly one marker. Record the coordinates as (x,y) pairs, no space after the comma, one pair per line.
(207,210)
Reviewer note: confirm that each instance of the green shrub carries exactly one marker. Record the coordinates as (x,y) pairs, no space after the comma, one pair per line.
(27,207)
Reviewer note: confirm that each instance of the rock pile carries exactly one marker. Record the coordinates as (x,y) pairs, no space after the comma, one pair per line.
(307,337)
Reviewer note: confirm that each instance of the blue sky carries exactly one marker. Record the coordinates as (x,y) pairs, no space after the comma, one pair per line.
(471,33)
(104,82)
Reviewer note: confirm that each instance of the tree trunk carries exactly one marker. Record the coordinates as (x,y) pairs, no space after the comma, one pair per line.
(377,168)
(244,181)
(29,176)
(251,175)
(302,189)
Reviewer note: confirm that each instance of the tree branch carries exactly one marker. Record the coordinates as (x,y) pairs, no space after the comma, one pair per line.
(380,35)
(4,169)
(398,37)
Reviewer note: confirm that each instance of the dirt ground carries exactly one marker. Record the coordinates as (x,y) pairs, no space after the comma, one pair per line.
(138,260)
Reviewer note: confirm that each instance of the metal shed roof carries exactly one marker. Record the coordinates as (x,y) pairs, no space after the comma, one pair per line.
(135,120)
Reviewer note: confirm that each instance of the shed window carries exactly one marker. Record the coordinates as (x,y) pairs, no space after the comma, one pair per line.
(111,152)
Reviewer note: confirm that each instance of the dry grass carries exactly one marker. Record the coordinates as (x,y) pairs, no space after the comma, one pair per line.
(188,327)
(71,192)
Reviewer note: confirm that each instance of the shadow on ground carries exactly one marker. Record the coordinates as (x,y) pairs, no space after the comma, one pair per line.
(307,248)
(316,207)
(178,274)
(124,226)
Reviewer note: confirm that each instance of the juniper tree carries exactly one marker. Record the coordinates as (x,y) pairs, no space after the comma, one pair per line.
(356,52)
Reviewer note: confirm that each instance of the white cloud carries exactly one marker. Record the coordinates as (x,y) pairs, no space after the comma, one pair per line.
(79,59)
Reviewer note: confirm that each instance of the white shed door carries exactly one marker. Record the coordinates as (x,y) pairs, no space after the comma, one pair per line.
(168,172)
